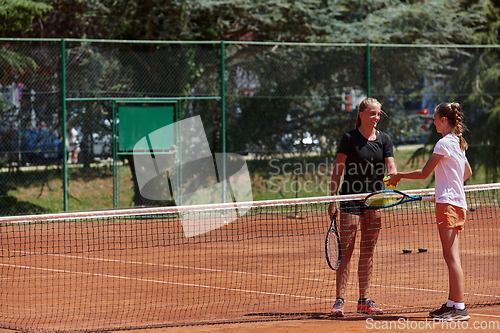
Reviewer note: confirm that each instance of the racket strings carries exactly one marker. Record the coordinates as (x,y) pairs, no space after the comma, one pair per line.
(383,199)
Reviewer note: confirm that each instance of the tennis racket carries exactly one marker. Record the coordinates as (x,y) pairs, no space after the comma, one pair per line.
(390,198)
(332,244)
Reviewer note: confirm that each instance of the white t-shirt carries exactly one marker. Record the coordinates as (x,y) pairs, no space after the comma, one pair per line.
(72,138)
(450,171)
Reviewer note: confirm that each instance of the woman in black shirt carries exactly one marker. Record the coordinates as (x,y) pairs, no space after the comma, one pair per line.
(363,156)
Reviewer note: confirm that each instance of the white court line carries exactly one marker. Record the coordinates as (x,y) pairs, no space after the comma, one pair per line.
(236,272)
(484,315)
(169,265)
(226,271)
(187,284)
(168,282)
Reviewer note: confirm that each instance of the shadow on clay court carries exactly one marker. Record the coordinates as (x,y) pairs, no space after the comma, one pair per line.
(323,316)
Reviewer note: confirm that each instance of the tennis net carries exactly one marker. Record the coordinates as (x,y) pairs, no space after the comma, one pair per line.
(135,268)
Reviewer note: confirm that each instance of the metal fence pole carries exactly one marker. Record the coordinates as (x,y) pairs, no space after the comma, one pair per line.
(223,110)
(65,149)
(368,79)
(115,155)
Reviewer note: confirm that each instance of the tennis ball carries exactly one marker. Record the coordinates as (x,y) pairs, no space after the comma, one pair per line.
(386,182)
(225,222)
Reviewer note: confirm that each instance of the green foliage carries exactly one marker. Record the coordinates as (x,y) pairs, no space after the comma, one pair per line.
(340,21)
(432,22)
(18,15)
(16,62)
(296,91)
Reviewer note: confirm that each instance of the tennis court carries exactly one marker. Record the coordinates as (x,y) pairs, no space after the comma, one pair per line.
(139,271)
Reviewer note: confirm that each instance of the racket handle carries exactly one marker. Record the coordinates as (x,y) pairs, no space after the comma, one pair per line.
(428,199)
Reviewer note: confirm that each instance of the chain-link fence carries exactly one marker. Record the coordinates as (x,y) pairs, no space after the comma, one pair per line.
(284,106)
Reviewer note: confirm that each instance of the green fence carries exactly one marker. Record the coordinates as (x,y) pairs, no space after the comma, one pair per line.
(283,105)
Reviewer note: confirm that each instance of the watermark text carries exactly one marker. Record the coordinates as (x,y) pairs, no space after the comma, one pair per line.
(431,324)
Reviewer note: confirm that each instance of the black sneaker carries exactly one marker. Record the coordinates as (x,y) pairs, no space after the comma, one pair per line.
(450,314)
(458,315)
(441,311)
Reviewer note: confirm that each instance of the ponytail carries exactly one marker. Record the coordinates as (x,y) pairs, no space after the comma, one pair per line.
(358,120)
(453,112)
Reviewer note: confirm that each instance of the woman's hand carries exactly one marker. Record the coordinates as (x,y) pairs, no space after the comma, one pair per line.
(332,209)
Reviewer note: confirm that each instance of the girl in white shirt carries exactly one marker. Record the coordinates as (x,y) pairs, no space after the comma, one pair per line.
(452,169)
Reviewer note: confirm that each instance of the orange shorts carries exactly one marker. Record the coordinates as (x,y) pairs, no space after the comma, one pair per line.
(450,216)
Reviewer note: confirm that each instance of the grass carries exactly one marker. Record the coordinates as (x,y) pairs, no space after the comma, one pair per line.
(41,191)
(88,189)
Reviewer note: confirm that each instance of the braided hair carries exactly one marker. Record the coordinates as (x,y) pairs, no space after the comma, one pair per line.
(453,112)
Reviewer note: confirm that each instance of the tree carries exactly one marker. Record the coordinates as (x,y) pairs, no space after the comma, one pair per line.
(338,21)
(18,15)
(482,104)
(295,89)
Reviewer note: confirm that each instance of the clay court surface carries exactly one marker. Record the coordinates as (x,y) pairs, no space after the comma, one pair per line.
(137,272)
(486,317)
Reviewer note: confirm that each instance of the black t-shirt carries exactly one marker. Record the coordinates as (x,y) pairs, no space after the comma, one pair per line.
(365,165)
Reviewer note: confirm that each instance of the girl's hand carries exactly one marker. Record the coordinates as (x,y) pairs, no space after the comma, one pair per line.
(392,180)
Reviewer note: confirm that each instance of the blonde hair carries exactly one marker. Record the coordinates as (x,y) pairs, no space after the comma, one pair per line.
(453,113)
(362,107)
